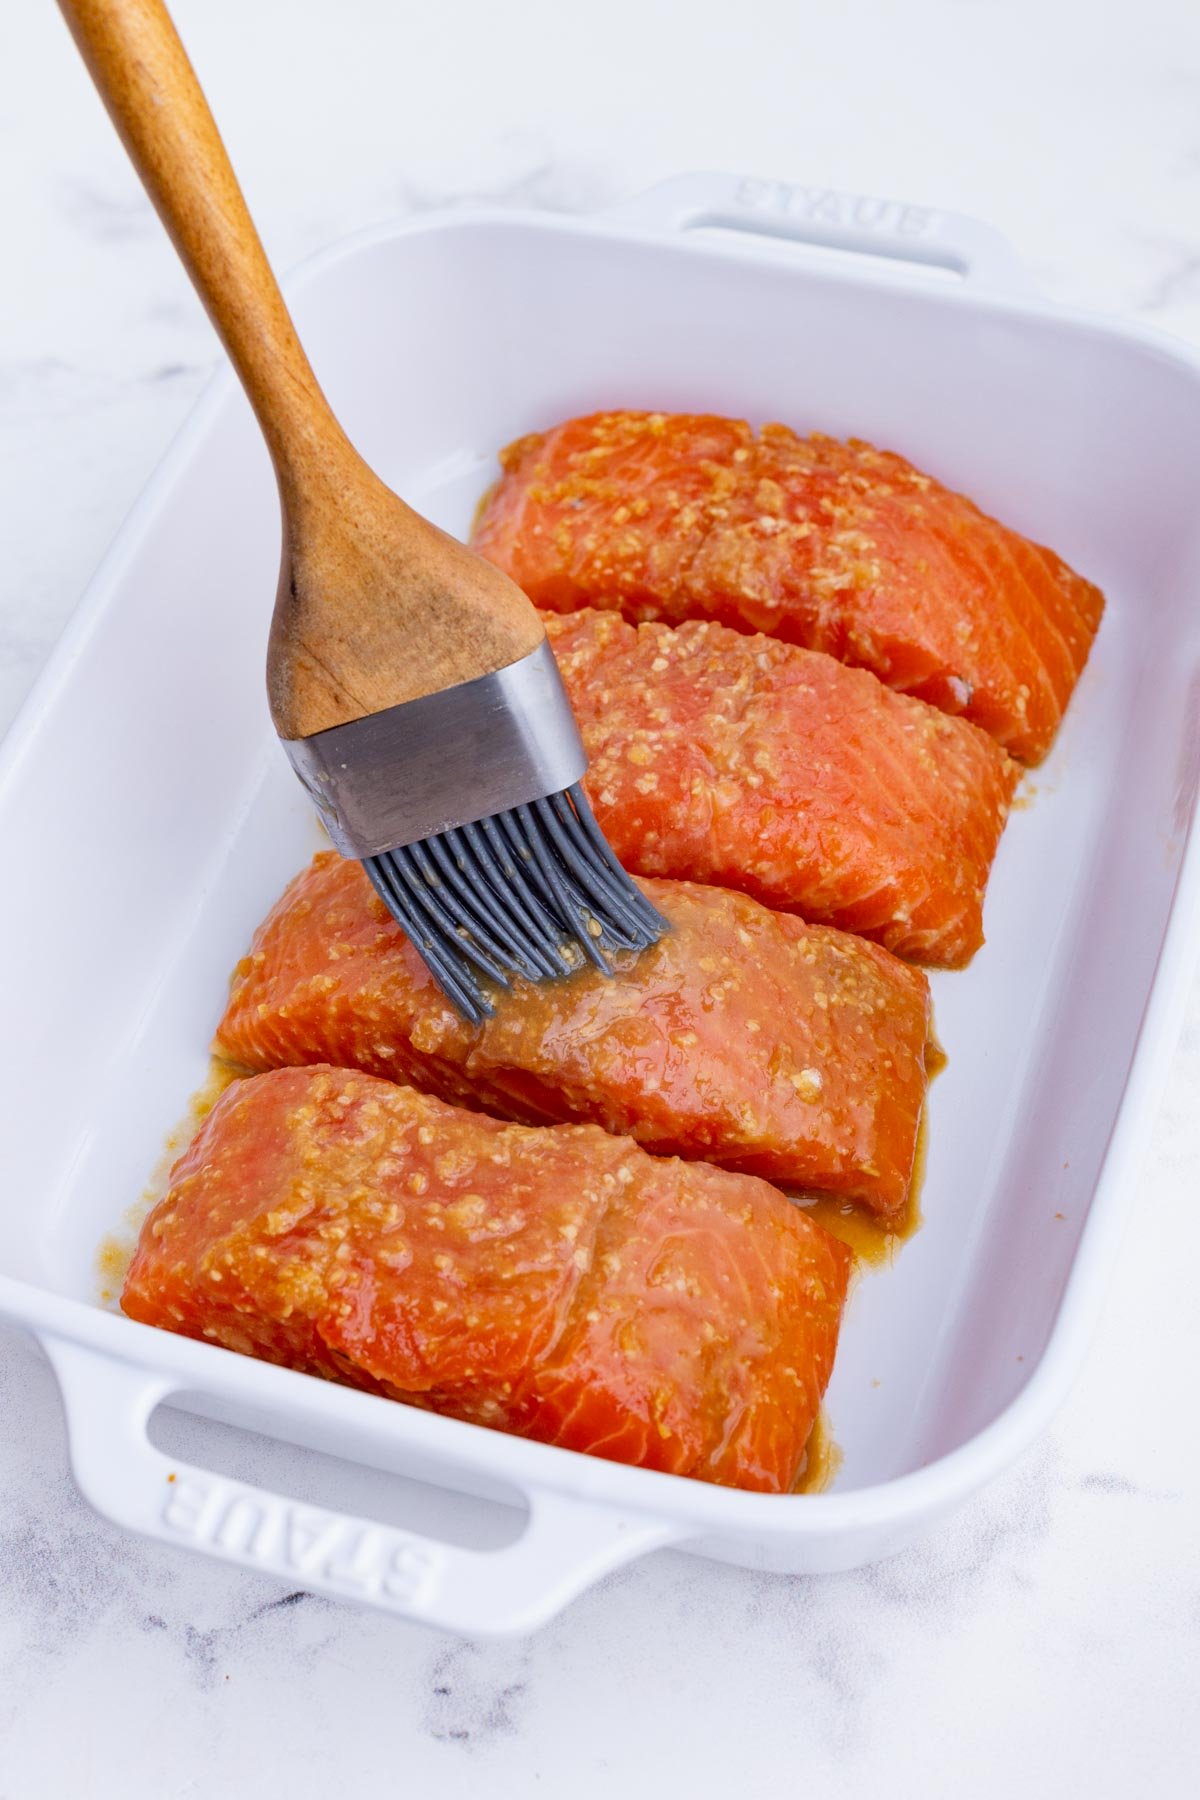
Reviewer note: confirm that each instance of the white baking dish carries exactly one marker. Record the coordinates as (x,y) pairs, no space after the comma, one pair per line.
(148,820)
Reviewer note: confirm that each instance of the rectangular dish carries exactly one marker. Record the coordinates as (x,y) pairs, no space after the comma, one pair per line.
(143,845)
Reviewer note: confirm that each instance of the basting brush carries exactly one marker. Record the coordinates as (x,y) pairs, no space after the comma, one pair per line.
(410,681)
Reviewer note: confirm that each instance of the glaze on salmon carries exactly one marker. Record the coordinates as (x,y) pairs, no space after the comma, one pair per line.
(745,1037)
(740,760)
(556,1283)
(836,546)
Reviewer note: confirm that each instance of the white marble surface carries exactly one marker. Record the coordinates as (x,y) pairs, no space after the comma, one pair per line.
(1048,1641)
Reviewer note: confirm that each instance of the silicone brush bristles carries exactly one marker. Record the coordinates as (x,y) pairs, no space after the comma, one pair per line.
(530,892)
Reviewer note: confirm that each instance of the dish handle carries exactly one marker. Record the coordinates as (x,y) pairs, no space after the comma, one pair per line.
(567,1543)
(832,219)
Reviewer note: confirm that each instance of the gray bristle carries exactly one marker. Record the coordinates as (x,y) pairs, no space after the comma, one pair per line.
(530,892)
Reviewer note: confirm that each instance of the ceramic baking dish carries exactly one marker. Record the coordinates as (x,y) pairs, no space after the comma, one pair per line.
(148,820)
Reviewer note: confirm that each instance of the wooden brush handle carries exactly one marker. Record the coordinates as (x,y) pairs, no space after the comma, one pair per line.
(143,75)
(375,605)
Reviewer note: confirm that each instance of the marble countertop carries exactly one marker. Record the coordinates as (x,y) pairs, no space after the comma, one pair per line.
(1048,1639)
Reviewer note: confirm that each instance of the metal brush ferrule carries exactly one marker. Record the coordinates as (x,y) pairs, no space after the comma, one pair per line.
(447,759)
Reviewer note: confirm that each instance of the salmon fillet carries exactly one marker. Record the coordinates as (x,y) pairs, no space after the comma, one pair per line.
(744,1037)
(720,757)
(556,1283)
(836,546)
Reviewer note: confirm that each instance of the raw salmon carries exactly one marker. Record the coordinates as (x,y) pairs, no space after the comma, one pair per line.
(741,760)
(836,546)
(744,1037)
(557,1283)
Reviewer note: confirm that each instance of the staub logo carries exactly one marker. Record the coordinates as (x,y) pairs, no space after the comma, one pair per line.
(823,206)
(369,1560)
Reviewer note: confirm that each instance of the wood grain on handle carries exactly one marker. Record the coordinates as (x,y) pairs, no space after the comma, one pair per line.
(375,605)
